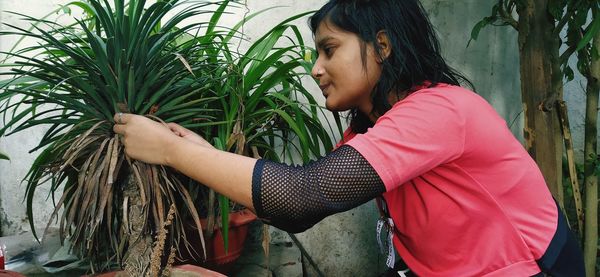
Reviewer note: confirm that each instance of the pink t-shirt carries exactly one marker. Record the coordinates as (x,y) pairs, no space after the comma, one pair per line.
(465,196)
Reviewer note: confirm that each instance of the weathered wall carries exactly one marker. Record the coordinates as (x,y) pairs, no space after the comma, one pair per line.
(342,245)
(17,146)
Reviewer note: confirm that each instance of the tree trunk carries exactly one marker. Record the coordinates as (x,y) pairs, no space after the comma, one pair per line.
(591,161)
(137,257)
(540,91)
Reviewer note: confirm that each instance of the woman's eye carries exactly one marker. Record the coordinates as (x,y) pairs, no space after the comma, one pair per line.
(328,51)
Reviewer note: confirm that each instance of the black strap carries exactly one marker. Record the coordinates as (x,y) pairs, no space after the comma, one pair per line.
(556,244)
(563,257)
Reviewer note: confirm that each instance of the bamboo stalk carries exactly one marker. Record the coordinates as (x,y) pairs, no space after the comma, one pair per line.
(590,247)
(564,120)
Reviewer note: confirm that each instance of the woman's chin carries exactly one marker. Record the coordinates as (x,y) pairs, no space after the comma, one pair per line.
(330,106)
(335,108)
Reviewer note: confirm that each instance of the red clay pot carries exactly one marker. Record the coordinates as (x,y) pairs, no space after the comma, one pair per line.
(217,258)
(190,270)
(8,273)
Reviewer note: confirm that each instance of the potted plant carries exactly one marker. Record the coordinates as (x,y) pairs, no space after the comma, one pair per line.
(257,104)
(125,57)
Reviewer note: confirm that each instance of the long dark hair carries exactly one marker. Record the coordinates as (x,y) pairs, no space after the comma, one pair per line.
(415,57)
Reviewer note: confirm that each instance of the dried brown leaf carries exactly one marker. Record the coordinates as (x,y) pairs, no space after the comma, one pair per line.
(91,181)
(114,154)
(190,204)
(81,142)
(210,224)
(185,63)
(136,173)
(126,215)
(266,242)
(255,153)
(55,213)
(157,196)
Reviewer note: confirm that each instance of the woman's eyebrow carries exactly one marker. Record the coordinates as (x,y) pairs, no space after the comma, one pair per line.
(321,43)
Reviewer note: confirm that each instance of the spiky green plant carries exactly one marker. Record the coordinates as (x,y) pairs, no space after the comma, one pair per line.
(128,57)
(121,58)
(258,113)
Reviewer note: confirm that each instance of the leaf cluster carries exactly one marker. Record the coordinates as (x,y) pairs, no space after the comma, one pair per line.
(579,19)
(129,56)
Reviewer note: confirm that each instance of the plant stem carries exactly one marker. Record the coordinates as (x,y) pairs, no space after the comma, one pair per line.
(590,248)
(305,254)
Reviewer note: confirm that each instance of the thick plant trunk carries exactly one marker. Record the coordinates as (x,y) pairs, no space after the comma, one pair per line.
(591,160)
(540,91)
(138,253)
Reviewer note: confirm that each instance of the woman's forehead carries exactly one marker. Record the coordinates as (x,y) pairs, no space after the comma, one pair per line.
(328,30)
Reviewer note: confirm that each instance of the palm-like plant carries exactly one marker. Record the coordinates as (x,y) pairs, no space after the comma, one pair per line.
(127,58)
(121,60)
(258,113)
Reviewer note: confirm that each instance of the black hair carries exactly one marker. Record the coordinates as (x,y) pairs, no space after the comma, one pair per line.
(415,57)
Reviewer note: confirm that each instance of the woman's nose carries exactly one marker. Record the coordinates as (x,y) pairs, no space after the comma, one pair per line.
(317,70)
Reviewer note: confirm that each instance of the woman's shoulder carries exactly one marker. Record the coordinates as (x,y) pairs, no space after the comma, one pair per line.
(347,136)
(443,94)
(443,89)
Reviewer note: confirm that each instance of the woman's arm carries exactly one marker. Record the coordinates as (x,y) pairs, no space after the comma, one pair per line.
(292,198)
(227,173)
(152,142)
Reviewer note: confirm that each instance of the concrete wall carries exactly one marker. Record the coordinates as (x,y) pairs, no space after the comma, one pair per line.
(12,212)
(342,245)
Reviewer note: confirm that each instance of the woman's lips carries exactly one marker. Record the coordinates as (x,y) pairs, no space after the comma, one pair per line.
(324,89)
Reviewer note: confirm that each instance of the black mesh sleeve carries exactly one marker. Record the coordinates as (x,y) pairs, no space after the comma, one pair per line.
(294,198)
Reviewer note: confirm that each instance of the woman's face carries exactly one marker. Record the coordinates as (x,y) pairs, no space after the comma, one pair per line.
(345,82)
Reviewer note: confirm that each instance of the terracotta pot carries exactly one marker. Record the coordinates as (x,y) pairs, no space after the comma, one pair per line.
(8,273)
(216,257)
(238,230)
(180,270)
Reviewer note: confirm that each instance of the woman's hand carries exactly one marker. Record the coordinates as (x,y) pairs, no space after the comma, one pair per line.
(189,135)
(144,139)
(172,145)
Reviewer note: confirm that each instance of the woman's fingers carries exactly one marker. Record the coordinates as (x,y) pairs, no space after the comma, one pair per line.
(121,118)
(189,135)
(177,129)
(143,138)
(174,126)
(119,129)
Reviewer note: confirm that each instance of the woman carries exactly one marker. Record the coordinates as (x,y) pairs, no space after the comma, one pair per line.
(464,197)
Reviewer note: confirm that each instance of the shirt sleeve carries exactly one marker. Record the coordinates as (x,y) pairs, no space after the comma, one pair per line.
(294,198)
(347,136)
(418,134)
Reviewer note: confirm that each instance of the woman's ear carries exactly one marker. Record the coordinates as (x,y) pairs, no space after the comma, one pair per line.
(385,47)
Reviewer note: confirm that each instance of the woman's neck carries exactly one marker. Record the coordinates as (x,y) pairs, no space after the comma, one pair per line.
(393,98)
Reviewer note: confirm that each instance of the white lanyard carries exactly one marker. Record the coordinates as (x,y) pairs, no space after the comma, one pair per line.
(389,225)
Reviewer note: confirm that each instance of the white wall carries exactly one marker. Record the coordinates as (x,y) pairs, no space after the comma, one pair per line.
(12,212)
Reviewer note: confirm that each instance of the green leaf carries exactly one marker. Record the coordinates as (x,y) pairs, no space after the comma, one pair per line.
(555,8)
(4,156)
(126,53)
(569,74)
(477,28)
(591,31)
(224,209)
(33,178)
